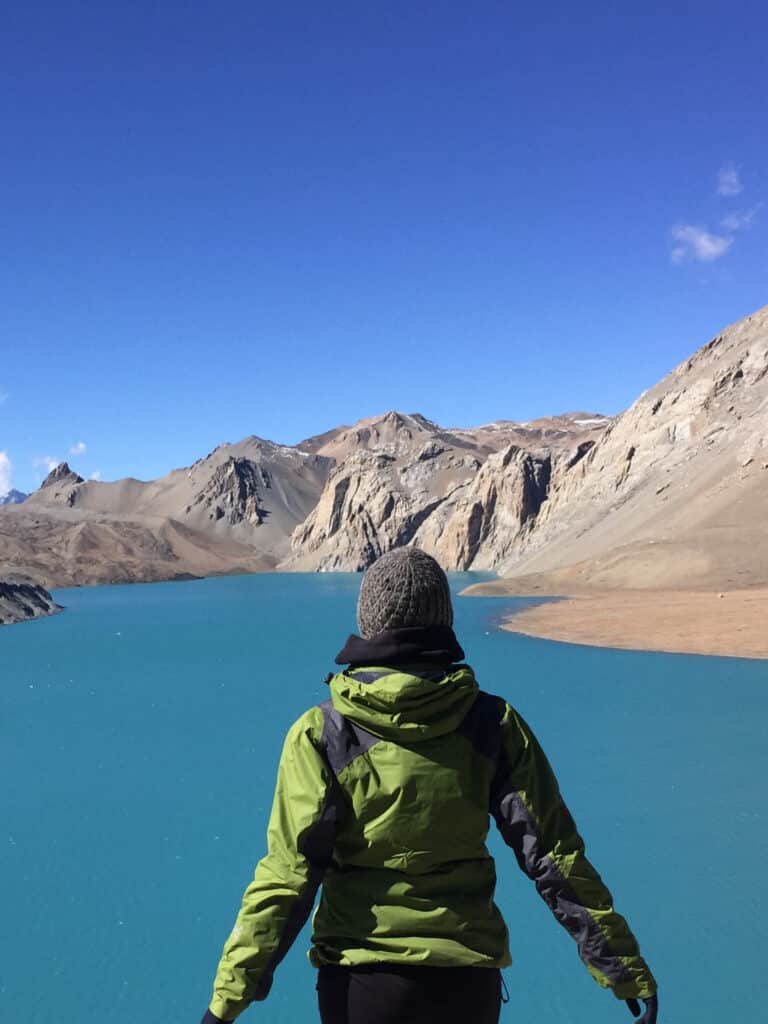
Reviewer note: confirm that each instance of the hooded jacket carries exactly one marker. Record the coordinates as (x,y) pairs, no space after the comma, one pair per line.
(384,795)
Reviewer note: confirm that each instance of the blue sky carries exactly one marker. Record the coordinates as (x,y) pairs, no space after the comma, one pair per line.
(235,218)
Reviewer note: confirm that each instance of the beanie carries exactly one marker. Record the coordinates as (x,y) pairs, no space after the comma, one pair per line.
(405,587)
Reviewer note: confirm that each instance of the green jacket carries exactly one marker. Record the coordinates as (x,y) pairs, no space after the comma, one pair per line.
(383,796)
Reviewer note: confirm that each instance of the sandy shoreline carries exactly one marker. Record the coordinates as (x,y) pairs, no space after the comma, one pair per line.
(728,623)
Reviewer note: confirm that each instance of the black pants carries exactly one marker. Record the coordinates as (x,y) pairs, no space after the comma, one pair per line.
(391,994)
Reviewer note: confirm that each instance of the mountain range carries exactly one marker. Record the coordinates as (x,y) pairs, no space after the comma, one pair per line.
(12,497)
(672,492)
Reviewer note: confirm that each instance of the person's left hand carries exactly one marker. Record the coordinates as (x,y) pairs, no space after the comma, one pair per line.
(651,1010)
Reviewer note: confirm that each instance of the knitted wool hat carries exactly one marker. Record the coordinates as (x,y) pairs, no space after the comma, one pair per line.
(405,587)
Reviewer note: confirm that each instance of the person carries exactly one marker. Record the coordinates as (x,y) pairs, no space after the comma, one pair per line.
(383,799)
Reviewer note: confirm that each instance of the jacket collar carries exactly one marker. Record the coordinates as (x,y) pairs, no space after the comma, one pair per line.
(434,644)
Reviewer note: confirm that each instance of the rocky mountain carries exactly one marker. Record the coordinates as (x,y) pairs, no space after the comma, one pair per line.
(13,497)
(232,511)
(391,474)
(335,501)
(672,492)
(21,600)
(675,492)
(401,479)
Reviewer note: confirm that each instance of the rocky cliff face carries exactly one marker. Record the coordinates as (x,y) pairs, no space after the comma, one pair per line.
(466,496)
(377,500)
(491,516)
(232,493)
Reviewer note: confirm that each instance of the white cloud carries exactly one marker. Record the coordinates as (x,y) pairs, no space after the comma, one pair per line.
(3,396)
(78,449)
(96,474)
(696,243)
(729,180)
(6,474)
(48,461)
(737,221)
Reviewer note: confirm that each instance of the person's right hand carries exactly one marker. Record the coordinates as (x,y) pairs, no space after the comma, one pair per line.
(651,1009)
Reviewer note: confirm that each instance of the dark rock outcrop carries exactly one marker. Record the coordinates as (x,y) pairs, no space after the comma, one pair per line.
(61,484)
(23,600)
(233,492)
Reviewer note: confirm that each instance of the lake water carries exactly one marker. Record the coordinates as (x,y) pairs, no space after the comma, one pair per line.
(140,732)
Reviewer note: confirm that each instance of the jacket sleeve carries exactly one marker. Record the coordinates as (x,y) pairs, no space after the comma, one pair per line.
(536,824)
(305,816)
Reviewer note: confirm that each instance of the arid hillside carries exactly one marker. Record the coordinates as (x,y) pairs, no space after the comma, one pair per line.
(232,511)
(675,493)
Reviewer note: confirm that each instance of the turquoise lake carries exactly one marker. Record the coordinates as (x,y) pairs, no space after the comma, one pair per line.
(140,732)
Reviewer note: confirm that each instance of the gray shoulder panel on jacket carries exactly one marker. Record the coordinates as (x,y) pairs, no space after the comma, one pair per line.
(342,740)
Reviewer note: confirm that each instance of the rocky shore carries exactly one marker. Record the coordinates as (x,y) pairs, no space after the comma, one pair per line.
(22,600)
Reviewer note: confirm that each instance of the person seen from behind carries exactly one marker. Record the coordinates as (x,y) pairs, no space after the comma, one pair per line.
(382,803)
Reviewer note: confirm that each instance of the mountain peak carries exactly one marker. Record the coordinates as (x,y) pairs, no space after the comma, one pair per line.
(407,419)
(61,474)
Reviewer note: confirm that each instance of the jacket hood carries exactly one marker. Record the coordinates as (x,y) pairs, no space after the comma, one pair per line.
(403,704)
